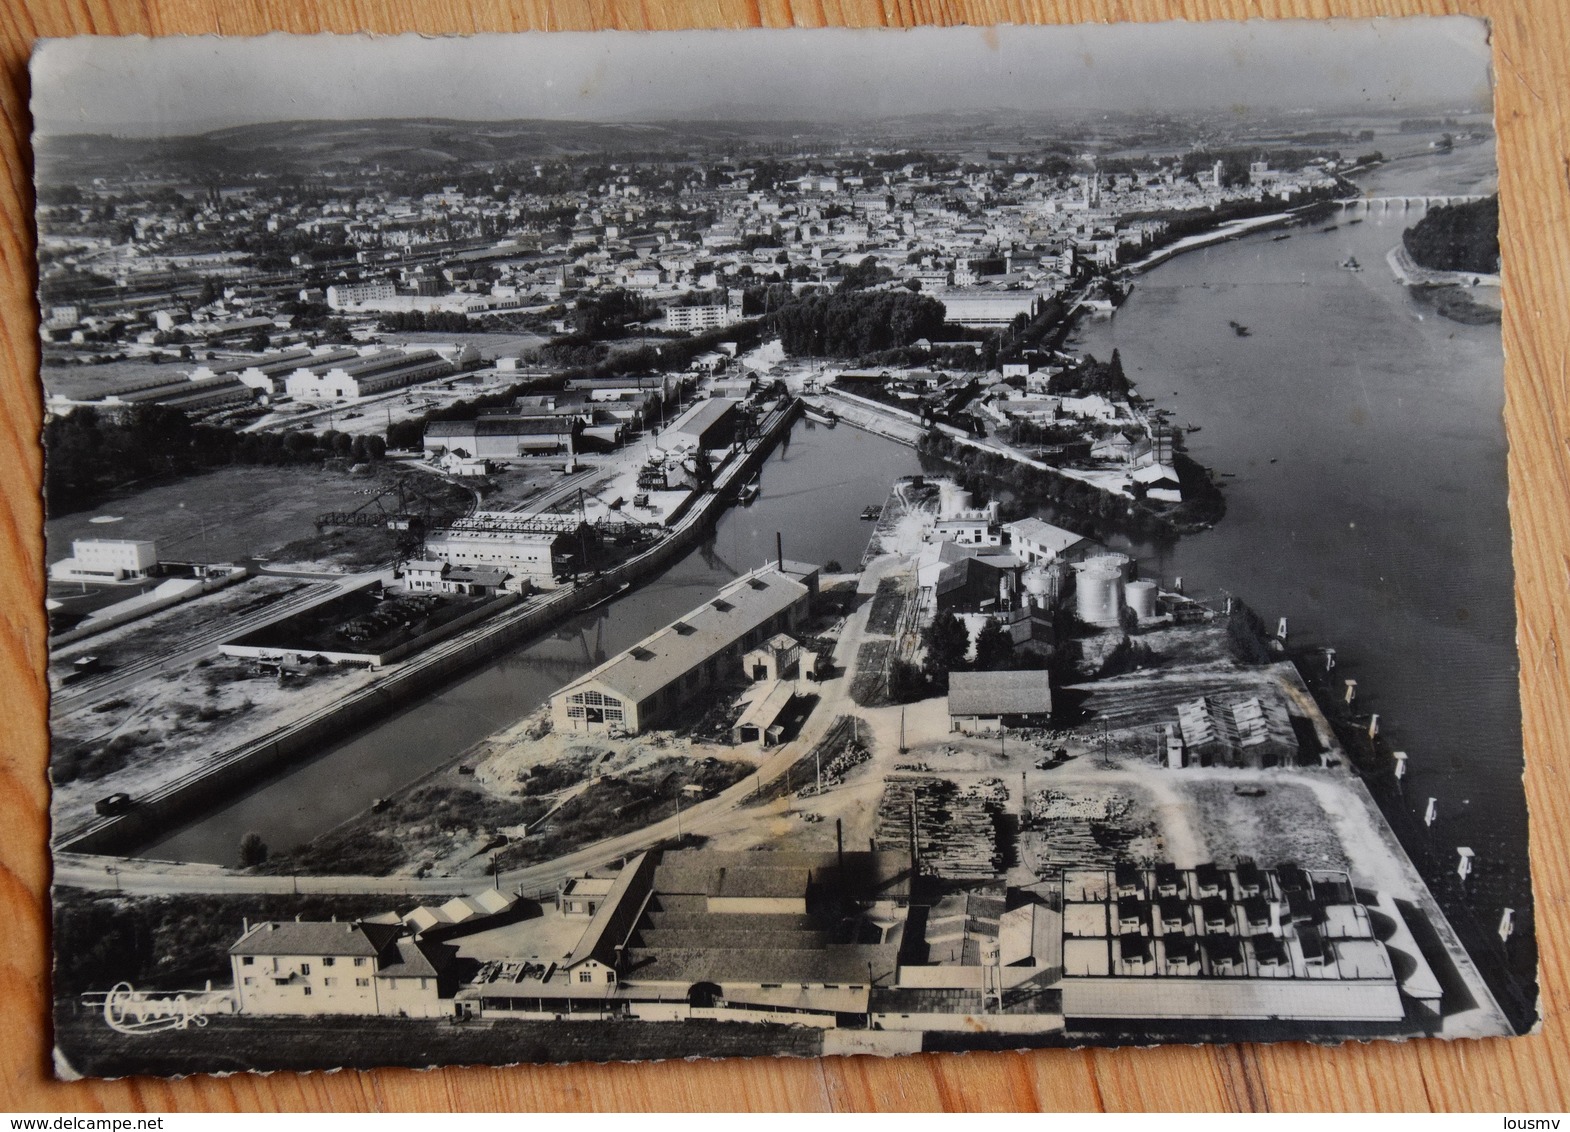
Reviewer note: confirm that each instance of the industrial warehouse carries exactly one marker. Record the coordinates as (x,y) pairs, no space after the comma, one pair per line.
(649,683)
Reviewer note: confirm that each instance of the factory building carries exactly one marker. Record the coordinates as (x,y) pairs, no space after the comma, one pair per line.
(365,376)
(269,373)
(504,437)
(1160,482)
(708,425)
(753,936)
(1035,541)
(988,308)
(534,554)
(437,576)
(1232,944)
(107,560)
(176,392)
(961,521)
(650,682)
(743,936)
(988,701)
(968,579)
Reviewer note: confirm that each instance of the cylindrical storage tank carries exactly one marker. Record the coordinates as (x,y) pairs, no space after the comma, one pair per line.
(1141,596)
(1037,583)
(952,499)
(946,490)
(1098,593)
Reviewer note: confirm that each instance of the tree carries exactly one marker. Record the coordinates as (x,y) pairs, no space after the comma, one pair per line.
(702,469)
(994,646)
(906,683)
(946,641)
(253,850)
(258,342)
(1247,636)
(1461,237)
(405,434)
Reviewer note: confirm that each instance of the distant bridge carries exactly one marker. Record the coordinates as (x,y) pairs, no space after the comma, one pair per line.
(1387,204)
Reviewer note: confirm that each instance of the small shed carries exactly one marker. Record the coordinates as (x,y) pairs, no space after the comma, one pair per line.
(775,659)
(761,721)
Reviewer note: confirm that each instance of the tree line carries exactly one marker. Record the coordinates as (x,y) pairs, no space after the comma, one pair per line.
(90,454)
(1457,237)
(854,323)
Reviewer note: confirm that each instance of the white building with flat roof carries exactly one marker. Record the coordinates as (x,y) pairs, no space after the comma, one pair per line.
(342,295)
(107,560)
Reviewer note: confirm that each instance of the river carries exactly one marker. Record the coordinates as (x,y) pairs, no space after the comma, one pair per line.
(1362,440)
(813,489)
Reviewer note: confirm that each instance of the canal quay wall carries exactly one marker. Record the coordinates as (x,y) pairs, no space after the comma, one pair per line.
(236,769)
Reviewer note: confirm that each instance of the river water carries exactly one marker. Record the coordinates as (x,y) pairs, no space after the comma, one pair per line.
(1363,443)
(813,489)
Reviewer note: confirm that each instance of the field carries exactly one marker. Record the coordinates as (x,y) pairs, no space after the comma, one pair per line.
(240,512)
(490,345)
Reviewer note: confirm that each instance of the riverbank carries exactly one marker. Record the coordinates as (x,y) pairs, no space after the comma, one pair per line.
(1461,296)
(1228,231)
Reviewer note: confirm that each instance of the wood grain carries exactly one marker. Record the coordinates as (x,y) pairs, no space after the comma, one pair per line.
(1533,101)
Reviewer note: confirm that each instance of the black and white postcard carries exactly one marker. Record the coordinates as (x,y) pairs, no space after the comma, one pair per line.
(610,546)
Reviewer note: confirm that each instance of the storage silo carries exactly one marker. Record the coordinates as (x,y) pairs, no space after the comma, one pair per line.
(1141,597)
(1098,591)
(952,499)
(1040,586)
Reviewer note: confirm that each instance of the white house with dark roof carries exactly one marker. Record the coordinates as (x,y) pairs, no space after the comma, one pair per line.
(1034,540)
(295,967)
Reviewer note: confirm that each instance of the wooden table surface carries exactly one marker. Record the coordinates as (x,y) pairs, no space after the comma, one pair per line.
(1532,66)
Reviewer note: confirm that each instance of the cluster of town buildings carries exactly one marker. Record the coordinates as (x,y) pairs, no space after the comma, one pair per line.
(990,243)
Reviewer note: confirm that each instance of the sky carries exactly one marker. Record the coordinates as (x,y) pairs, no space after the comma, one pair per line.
(184,85)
